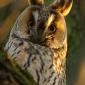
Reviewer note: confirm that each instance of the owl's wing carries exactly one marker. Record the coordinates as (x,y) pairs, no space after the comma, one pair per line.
(36,59)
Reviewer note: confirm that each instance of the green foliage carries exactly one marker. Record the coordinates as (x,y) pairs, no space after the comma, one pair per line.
(74,26)
(1,55)
(76,47)
(48,2)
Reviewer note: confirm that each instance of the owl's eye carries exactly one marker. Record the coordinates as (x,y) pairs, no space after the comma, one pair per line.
(52,28)
(31,23)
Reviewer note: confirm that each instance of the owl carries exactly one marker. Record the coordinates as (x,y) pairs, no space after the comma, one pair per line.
(38,41)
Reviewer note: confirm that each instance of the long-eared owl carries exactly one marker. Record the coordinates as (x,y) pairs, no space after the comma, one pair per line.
(38,41)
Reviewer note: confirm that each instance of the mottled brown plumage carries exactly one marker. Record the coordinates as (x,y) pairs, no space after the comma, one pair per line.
(38,41)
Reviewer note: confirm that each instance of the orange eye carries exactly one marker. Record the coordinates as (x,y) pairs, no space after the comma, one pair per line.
(52,28)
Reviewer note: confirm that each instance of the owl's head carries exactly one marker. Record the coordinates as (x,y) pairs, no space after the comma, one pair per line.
(47,24)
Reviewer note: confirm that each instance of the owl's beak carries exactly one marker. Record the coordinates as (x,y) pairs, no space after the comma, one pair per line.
(36,37)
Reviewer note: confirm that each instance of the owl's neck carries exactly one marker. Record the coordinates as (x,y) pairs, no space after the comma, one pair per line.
(59,61)
(60,69)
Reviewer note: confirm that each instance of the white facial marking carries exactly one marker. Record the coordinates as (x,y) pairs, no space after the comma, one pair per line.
(35,14)
(48,23)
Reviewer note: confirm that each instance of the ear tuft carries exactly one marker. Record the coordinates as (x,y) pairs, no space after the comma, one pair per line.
(63,6)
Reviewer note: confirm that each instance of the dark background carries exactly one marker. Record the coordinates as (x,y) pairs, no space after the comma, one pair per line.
(9,11)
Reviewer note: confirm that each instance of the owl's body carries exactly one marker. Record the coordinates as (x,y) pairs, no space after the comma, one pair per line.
(38,44)
(39,61)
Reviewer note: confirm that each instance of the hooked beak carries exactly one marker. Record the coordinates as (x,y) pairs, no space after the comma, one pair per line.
(36,37)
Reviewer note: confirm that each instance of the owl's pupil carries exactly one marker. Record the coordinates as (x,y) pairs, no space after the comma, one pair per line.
(52,28)
(31,23)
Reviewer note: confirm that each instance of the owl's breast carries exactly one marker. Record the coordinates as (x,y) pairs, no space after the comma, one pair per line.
(38,60)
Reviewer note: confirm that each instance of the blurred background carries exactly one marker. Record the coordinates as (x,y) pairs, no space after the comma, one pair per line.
(10,10)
